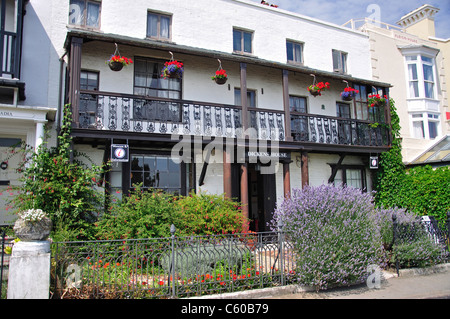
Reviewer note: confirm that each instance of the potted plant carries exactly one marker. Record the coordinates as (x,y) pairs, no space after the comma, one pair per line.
(316,88)
(376,100)
(349,93)
(220,77)
(33,225)
(117,62)
(172,69)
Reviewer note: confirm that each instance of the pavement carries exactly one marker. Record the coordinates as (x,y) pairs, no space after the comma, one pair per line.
(423,283)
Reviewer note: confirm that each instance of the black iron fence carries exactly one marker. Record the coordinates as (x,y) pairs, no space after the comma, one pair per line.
(5,254)
(421,243)
(171,267)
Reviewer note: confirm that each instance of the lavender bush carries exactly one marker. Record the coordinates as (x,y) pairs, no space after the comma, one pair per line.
(334,233)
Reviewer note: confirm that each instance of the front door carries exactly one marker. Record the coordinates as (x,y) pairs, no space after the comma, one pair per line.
(262,198)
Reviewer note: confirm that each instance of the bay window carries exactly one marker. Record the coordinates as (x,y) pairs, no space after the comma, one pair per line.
(421,78)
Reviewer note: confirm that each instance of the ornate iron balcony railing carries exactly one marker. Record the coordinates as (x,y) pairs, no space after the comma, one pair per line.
(131,113)
(108,111)
(340,131)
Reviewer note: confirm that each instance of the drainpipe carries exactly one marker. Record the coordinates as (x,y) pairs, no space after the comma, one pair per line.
(60,104)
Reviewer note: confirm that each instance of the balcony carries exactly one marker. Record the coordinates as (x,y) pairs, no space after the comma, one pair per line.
(130,113)
(309,128)
(104,111)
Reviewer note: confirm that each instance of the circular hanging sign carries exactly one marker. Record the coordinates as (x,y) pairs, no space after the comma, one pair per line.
(119,152)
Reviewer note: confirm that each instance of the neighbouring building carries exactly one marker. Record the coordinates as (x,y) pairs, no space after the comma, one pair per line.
(26,105)
(254,138)
(416,63)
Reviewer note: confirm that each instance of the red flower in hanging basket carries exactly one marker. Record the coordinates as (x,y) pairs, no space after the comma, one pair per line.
(220,77)
(316,89)
(376,100)
(120,59)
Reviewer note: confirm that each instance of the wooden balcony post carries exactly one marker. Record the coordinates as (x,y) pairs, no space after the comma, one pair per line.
(287,110)
(305,170)
(244,166)
(286,180)
(244,102)
(74,80)
(227,189)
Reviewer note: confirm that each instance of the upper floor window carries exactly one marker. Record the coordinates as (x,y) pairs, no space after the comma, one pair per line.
(242,41)
(421,81)
(85,13)
(294,51)
(251,97)
(159,26)
(149,82)
(89,80)
(339,61)
(297,104)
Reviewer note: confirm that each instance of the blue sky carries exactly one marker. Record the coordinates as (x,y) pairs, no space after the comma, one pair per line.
(340,11)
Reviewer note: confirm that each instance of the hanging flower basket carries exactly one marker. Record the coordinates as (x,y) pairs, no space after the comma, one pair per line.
(117,62)
(221,76)
(172,70)
(376,100)
(316,88)
(349,94)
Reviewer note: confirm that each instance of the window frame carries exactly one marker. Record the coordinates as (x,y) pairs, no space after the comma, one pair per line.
(242,41)
(186,173)
(342,68)
(85,14)
(425,119)
(417,59)
(90,116)
(159,15)
(301,45)
(250,92)
(342,170)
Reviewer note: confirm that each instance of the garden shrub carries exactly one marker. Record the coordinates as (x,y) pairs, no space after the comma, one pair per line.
(422,251)
(207,214)
(333,232)
(145,214)
(142,214)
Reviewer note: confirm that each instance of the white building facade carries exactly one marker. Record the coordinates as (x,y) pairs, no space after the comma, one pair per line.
(415,62)
(186,134)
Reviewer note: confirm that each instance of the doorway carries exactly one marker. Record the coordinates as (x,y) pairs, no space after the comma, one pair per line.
(262,198)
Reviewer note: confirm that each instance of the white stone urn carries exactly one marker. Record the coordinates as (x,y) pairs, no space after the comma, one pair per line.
(33,225)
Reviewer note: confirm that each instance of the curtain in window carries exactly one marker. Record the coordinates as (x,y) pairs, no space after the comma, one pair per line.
(418,129)
(93,14)
(413,80)
(165,27)
(76,12)
(429,81)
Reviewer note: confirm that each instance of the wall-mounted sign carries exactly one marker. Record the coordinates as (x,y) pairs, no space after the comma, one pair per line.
(374,162)
(4,165)
(119,152)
